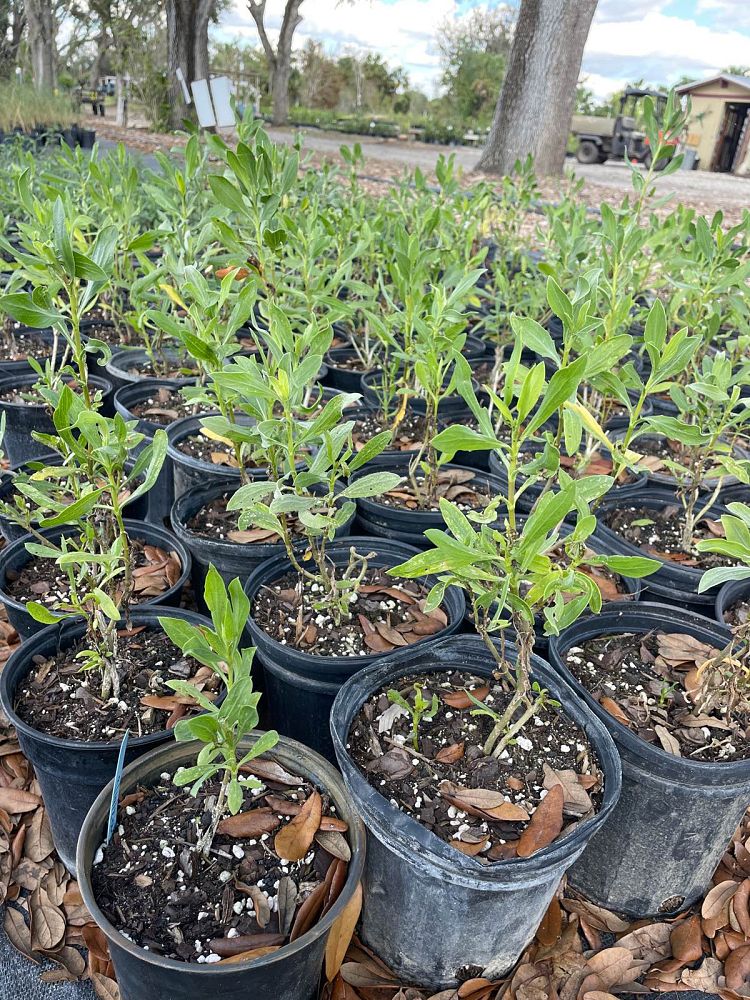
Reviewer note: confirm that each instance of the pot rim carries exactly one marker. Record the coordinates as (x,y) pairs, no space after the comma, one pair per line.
(279,563)
(454,866)
(680,768)
(73,628)
(132,525)
(294,753)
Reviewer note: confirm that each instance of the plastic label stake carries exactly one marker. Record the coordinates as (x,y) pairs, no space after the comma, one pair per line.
(116,787)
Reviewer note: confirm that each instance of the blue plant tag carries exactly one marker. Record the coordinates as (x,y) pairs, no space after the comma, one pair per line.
(116,787)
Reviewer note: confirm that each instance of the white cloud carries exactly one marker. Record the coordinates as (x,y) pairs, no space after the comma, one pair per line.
(629,39)
(403,32)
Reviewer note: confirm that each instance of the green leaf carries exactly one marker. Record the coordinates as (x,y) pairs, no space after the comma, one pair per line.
(226,193)
(41,614)
(371,485)
(202,727)
(631,566)
(61,239)
(87,269)
(720,574)
(535,338)
(107,605)
(21,307)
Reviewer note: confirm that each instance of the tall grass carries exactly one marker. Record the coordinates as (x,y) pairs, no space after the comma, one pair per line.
(25,108)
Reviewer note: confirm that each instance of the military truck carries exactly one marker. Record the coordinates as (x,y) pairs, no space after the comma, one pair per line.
(599,139)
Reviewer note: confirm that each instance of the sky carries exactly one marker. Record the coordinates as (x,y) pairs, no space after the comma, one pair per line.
(658,40)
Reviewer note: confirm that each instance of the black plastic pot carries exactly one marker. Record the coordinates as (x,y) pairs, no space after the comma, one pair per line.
(137,510)
(300,686)
(23,367)
(528,498)
(337,375)
(161,494)
(231,559)
(188,471)
(408,526)
(729,594)
(15,556)
(23,418)
(123,367)
(658,851)
(665,481)
(673,583)
(293,972)
(71,773)
(424,902)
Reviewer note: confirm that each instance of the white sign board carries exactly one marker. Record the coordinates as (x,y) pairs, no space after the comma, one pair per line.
(203,106)
(221,92)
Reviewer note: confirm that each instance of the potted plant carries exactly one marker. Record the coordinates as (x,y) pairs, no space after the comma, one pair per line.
(490,848)
(698,449)
(671,688)
(67,273)
(286,891)
(324,603)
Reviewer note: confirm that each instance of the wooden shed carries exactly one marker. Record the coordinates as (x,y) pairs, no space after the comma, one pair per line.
(719,125)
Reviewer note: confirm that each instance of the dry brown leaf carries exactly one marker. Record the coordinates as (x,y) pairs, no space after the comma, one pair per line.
(612,966)
(342,931)
(460,699)
(611,706)
(253,823)
(450,754)
(737,967)
(335,843)
(293,841)
(549,930)
(576,802)
(716,902)
(705,978)
(687,940)
(668,742)
(545,824)
(16,800)
(47,922)
(104,987)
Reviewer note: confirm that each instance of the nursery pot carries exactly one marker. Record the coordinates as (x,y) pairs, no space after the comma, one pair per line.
(231,559)
(673,583)
(659,849)
(189,471)
(293,972)
(408,526)
(123,366)
(22,366)
(23,418)
(71,773)
(338,376)
(161,494)
(15,557)
(451,409)
(300,686)
(665,481)
(728,594)
(429,911)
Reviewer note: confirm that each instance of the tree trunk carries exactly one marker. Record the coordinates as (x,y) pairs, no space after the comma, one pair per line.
(201,64)
(538,94)
(280,91)
(122,102)
(41,26)
(180,53)
(280,60)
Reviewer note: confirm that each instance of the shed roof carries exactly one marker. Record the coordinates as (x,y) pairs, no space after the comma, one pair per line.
(740,81)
